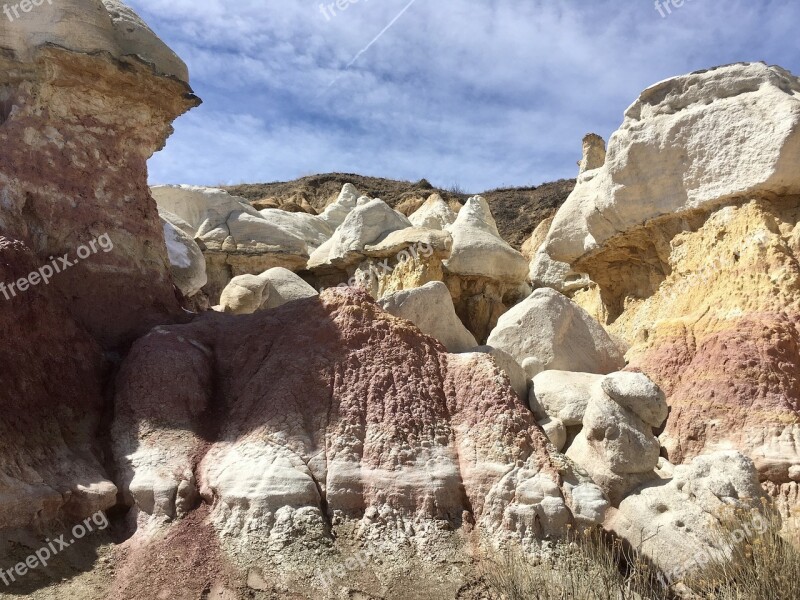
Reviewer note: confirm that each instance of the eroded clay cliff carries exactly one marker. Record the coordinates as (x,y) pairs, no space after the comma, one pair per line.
(690,234)
(87,94)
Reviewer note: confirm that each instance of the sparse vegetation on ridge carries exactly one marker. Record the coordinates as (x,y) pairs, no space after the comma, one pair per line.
(517,210)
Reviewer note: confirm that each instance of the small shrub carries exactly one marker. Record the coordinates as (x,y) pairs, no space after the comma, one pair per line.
(760,565)
(457,190)
(763,564)
(588,566)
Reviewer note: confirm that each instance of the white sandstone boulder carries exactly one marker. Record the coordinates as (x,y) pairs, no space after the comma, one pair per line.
(228,224)
(547,331)
(617,449)
(626,442)
(506,363)
(564,395)
(714,134)
(675,522)
(555,431)
(283,286)
(335,213)
(478,249)
(435,213)
(637,393)
(247,294)
(244,295)
(430,308)
(310,228)
(253,234)
(364,225)
(200,207)
(186,261)
(177,222)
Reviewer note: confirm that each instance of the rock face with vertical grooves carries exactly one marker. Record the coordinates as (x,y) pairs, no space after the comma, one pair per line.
(328,409)
(87,94)
(52,398)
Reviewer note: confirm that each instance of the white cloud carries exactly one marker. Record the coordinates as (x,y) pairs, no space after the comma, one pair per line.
(473,92)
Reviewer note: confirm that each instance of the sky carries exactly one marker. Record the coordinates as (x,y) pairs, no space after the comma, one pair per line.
(469,94)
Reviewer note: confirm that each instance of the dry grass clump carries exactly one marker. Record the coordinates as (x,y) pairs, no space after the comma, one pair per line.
(762,564)
(588,566)
(754,561)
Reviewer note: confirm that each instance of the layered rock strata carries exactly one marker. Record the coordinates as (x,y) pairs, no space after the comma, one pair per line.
(696,259)
(87,94)
(328,410)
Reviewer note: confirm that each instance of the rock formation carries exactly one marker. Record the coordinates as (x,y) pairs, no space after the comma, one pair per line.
(594,153)
(557,275)
(435,213)
(676,522)
(431,309)
(235,238)
(485,275)
(310,228)
(403,260)
(186,260)
(329,410)
(284,286)
(335,213)
(539,235)
(478,249)
(377,249)
(698,159)
(52,399)
(563,395)
(606,423)
(242,449)
(364,224)
(88,95)
(616,445)
(547,331)
(695,263)
(546,272)
(508,364)
(246,294)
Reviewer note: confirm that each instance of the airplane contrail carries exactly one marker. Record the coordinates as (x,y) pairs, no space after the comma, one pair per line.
(377,37)
(372,43)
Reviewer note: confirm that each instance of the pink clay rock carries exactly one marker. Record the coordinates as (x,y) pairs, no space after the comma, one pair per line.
(87,94)
(51,372)
(327,410)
